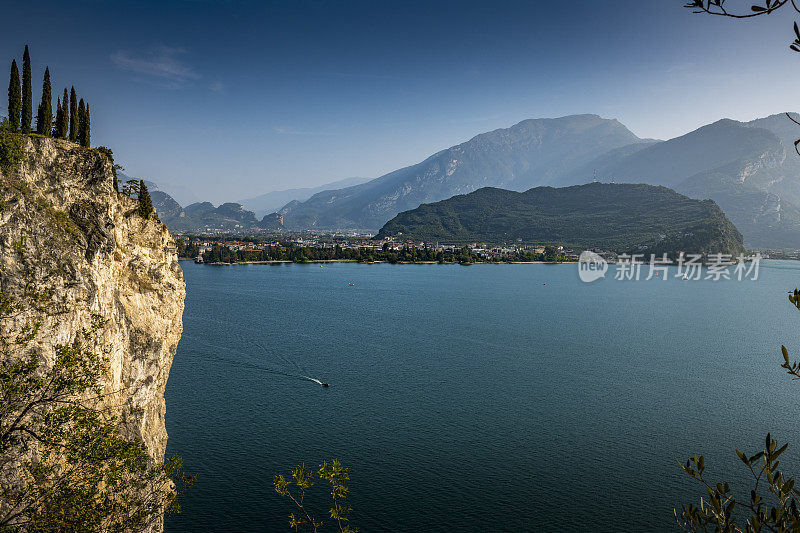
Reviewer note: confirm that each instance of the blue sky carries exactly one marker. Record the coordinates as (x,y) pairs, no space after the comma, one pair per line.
(230,99)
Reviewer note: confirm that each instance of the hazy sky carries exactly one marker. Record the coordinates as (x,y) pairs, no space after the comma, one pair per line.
(231,99)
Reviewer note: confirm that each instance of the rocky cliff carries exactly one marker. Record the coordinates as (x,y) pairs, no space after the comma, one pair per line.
(64,229)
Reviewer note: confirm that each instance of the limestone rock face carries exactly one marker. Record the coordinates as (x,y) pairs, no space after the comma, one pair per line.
(63,227)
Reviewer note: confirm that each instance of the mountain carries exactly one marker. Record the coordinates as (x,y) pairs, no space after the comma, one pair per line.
(204,217)
(271,222)
(166,206)
(272,201)
(620,217)
(787,184)
(750,169)
(671,162)
(745,167)
(181,193)
(533,152)
(765,219)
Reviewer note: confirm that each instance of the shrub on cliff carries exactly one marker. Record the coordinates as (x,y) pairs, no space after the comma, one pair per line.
(12,151)
(114,167)
(63,465)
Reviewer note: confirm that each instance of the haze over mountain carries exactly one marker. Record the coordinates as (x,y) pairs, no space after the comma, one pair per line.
(530,153)
(749,169)
(272,201)
(618,217)
(204,217)
(180,193)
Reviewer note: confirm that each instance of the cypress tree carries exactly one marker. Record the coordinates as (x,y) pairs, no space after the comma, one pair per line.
(44,120)
(73,115)
(59,118)
(63,127)
(62,122)
(81,119)
(65,116)
(27,99)
(145,203)
(86,129)
(14,97)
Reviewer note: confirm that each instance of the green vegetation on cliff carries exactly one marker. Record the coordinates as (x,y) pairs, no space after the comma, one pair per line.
(65,466)
(618,217)
(81,447)
(11,151)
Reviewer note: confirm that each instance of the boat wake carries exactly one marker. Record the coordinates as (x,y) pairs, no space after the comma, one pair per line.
(301,374)
(303,370)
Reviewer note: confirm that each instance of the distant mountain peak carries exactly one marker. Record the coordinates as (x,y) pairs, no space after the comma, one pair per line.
(273,201)
(532,152)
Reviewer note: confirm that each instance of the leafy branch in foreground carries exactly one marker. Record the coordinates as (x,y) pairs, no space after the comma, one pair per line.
(771,504)
(63,464)
(302,478)
(775,510)
(717,7)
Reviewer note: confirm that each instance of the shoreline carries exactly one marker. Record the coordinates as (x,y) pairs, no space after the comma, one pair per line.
(320,261)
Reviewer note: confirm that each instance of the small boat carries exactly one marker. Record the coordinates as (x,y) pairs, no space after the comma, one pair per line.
(685,277)
(324,384)
(352,284)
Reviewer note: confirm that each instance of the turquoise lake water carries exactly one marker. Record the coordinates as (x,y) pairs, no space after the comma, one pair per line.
(475,398)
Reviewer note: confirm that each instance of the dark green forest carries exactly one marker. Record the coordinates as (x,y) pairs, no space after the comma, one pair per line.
(616,217)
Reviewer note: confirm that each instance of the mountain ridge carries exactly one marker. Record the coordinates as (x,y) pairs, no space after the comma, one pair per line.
(618,217)
(760,190)
(503,157)
(272,201)
(205,217)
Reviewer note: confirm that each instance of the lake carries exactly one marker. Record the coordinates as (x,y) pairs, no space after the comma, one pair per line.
(506,397)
